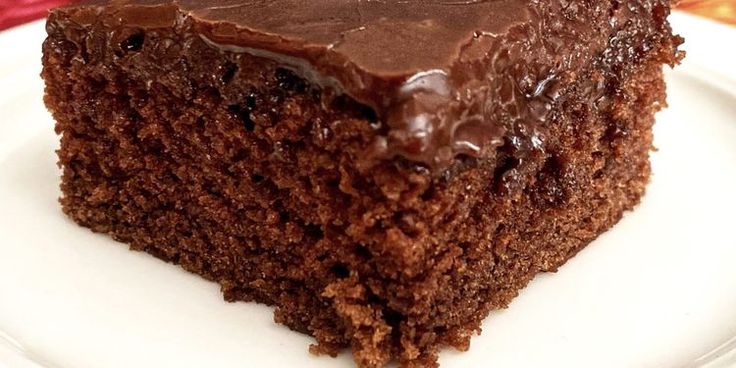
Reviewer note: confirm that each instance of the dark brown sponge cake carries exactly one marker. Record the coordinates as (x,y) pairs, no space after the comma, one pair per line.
(383,173)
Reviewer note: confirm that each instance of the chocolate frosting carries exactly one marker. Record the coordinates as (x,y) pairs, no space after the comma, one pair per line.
(434,72)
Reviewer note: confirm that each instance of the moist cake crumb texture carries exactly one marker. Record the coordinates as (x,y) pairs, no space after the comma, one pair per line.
(384,174)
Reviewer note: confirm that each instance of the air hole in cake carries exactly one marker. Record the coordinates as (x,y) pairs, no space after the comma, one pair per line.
(362,252)
(240,155)
(333,183)
(615,132)
(257,178)
(407,224)
(133,43)
(428,194)
(464,246)
(321,257)
(289,81)
(369,114)
(550,179)
(392,317)
(507,164)
(153,146)
(229,70)
(340,270)
(243,113)
(314,231)
(600,163)
(553,166)
(250,101)
(200,123)
(283,216)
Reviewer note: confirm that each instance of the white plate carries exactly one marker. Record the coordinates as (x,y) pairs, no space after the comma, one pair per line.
(659,290)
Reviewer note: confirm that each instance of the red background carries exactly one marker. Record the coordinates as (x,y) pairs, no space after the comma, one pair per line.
(15,12)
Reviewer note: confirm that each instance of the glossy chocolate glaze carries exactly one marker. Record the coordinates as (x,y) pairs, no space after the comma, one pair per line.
(445,78)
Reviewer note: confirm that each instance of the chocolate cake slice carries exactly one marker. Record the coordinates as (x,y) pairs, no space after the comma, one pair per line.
(384,173)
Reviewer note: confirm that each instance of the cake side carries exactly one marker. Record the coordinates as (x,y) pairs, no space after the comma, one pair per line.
(235,167)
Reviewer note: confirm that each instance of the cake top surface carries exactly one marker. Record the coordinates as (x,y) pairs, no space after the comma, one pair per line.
(427,68)
(382,38)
